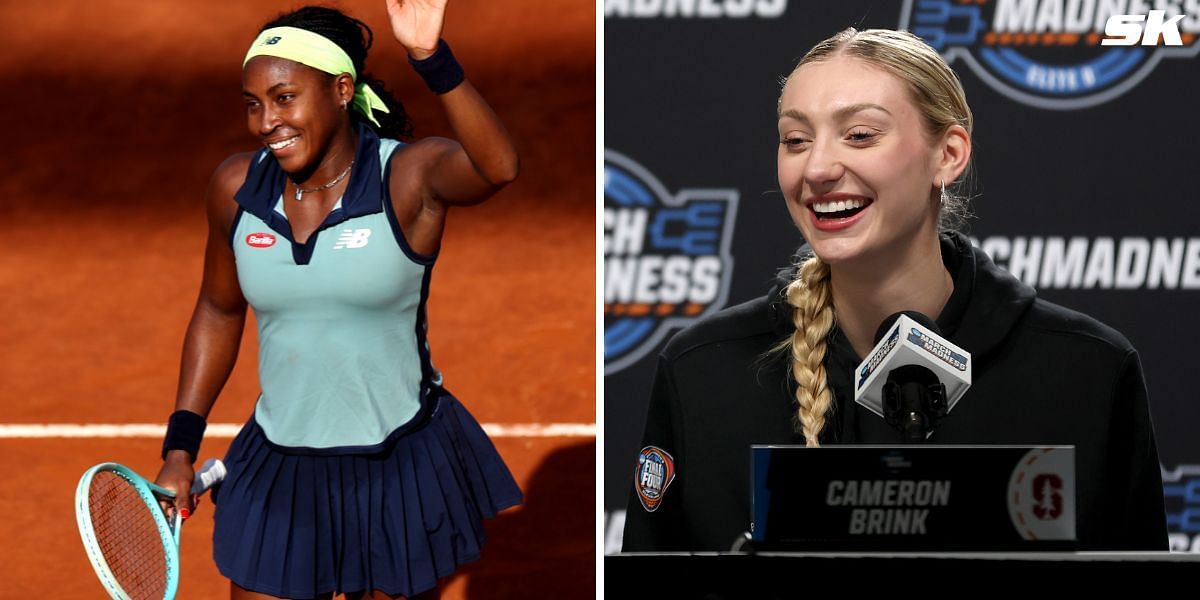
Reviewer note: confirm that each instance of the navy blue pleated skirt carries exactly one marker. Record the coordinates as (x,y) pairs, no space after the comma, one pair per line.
(297,526)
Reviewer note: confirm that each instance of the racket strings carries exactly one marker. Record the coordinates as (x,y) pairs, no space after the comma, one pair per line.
(128,536)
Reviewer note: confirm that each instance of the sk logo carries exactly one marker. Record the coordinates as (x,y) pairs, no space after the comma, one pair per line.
(1127,30)
(352,238)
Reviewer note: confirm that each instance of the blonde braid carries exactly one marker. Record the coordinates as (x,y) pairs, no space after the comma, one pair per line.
(809,295)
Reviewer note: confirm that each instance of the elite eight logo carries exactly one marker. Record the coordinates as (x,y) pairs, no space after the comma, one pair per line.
(666,258)
(1058,54)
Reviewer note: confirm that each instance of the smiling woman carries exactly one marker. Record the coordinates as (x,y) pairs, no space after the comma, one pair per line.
(358,473)
(874,134)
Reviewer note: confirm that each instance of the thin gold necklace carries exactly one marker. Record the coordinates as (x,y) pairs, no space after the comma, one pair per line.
(301,191)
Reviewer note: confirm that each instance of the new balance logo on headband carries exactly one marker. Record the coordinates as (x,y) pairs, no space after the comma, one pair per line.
(352,238)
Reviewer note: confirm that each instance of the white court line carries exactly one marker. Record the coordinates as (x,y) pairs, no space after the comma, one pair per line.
(228,430)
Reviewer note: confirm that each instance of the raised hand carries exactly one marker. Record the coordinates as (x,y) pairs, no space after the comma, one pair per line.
(417,24)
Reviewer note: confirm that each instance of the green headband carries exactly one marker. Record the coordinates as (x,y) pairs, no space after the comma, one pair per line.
(316,51)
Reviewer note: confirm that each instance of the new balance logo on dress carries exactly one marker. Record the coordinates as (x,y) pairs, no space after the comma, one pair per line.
(352,238)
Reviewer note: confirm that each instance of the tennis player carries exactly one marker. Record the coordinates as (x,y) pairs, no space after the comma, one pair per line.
(358,473)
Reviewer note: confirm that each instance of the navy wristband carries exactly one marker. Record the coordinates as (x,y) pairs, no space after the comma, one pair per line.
(440,70)
(185,430)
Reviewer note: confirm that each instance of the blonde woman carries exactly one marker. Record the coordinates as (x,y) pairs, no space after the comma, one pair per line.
(874,137)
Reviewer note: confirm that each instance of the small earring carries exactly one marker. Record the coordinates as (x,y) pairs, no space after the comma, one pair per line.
(343,105)
(942,200)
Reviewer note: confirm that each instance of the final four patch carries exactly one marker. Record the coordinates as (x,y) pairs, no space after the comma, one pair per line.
(655,471)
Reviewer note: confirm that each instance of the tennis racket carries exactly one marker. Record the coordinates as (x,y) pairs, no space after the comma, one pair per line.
(133,547)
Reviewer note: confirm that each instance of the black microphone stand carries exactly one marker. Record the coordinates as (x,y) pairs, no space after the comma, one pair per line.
(914,401)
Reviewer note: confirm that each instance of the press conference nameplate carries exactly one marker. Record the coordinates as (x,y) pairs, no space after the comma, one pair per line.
(913,498)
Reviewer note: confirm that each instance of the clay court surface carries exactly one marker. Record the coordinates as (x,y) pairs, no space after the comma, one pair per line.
(116,113)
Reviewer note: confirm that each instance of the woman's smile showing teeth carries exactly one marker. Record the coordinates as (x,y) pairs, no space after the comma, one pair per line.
(837,211)
(826,208)
(833,214)
(280,145)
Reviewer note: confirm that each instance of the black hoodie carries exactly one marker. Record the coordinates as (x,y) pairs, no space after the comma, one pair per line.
(1042,374)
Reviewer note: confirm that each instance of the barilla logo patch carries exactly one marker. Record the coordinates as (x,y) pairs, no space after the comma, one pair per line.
(1053,54)
(667,259)
(879,356)
(937,349)
(260,240)
(655,471)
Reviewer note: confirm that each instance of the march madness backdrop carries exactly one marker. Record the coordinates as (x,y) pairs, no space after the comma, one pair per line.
(1086,180)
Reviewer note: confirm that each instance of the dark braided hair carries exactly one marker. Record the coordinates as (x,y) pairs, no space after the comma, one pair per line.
(355,38)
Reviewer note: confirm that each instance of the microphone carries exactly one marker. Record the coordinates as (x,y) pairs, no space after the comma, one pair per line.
(913,376)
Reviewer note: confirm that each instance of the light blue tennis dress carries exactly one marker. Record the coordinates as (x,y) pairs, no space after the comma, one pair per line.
(358,471)
(341,325)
